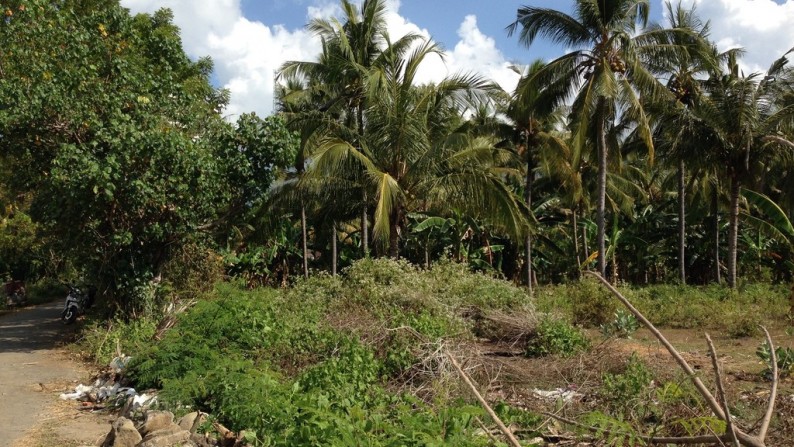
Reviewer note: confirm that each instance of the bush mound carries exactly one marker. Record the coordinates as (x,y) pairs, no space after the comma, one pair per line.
(329,361)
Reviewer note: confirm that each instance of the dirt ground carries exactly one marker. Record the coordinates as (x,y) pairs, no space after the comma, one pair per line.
(34,370)
(513,377)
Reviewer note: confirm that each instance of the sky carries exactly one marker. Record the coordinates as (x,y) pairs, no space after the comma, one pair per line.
(249,39)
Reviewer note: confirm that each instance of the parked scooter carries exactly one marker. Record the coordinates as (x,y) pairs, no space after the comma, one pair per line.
(77,302)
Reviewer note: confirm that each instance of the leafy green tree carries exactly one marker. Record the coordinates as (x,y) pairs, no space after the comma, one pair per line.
(118,136)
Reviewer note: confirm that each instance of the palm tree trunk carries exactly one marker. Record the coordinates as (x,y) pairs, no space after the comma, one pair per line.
(585,245)
(394,234)
(334,250)
(681,222)
(602,185)
(427,253)
(364,225)
(716,233)
(528,198)
(304,243)
(576,240)
(733,231)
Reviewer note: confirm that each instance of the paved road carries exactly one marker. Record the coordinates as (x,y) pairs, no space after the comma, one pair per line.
(28,357)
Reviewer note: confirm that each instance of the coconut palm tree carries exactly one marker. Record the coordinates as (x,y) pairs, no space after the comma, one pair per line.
(683,70)
(351,49)
(749,128)
(533,134)
(608,66)
(416,159)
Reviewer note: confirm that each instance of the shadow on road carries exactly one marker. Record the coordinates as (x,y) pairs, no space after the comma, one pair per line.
(32,329)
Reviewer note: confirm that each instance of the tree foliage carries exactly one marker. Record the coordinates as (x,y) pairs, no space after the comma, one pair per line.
(120,136)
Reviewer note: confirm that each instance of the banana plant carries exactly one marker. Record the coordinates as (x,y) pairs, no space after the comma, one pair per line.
(774,220)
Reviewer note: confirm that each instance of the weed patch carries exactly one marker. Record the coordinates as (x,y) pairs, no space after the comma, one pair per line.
(317,364)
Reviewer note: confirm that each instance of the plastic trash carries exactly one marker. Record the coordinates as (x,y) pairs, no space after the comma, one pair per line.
(566,395)
(118,364)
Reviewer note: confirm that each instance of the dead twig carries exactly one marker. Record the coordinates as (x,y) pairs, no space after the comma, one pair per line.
(770,408)
(721,393)
(508,434)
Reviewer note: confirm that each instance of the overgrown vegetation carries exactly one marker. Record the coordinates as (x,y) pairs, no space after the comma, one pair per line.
(362,356)
(673,306)
(330,361)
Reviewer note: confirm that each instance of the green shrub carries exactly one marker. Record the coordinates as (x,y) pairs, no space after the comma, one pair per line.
(673,306)
(784,356)
(624,324)
(556,337)
(316,364)
(741,324)
(622,390)
(592,304)
(101,341)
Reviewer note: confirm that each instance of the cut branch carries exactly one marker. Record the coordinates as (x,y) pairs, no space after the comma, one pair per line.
(731,431)
(502,427)
(770,408)
(709,398)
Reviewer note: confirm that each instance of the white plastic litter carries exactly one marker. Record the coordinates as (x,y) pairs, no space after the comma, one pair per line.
(118,364)
(564,394)
(80,391)
(143,400)
(108,389)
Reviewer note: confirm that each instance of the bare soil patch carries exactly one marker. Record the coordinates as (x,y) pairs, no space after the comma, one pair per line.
(34,370)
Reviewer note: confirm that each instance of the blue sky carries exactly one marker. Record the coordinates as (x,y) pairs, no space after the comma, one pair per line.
(440,17)
(250,39)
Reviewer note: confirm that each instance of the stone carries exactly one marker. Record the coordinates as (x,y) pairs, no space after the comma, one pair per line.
(122,434)
(192,421)
(167,437)
(202,440)
(170,430)
(156,420)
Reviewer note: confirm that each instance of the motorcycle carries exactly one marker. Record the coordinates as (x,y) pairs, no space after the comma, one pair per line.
(77,302)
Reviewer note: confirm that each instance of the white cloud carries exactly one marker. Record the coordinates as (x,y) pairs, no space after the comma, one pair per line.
(762,27)
(475,52)
(247,53)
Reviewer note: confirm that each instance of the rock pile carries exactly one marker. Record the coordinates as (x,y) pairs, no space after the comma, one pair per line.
(159,430)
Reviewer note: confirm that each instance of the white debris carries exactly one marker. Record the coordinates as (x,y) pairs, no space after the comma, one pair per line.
(118,364)
(142,401)
(80,391)
(564,394)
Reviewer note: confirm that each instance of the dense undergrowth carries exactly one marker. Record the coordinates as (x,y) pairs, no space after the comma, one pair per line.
(330,361)
(358,359)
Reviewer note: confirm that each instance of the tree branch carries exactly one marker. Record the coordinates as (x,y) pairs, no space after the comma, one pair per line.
(704,392)
(770,408)
(744,438)
(508,434)
(721,393)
